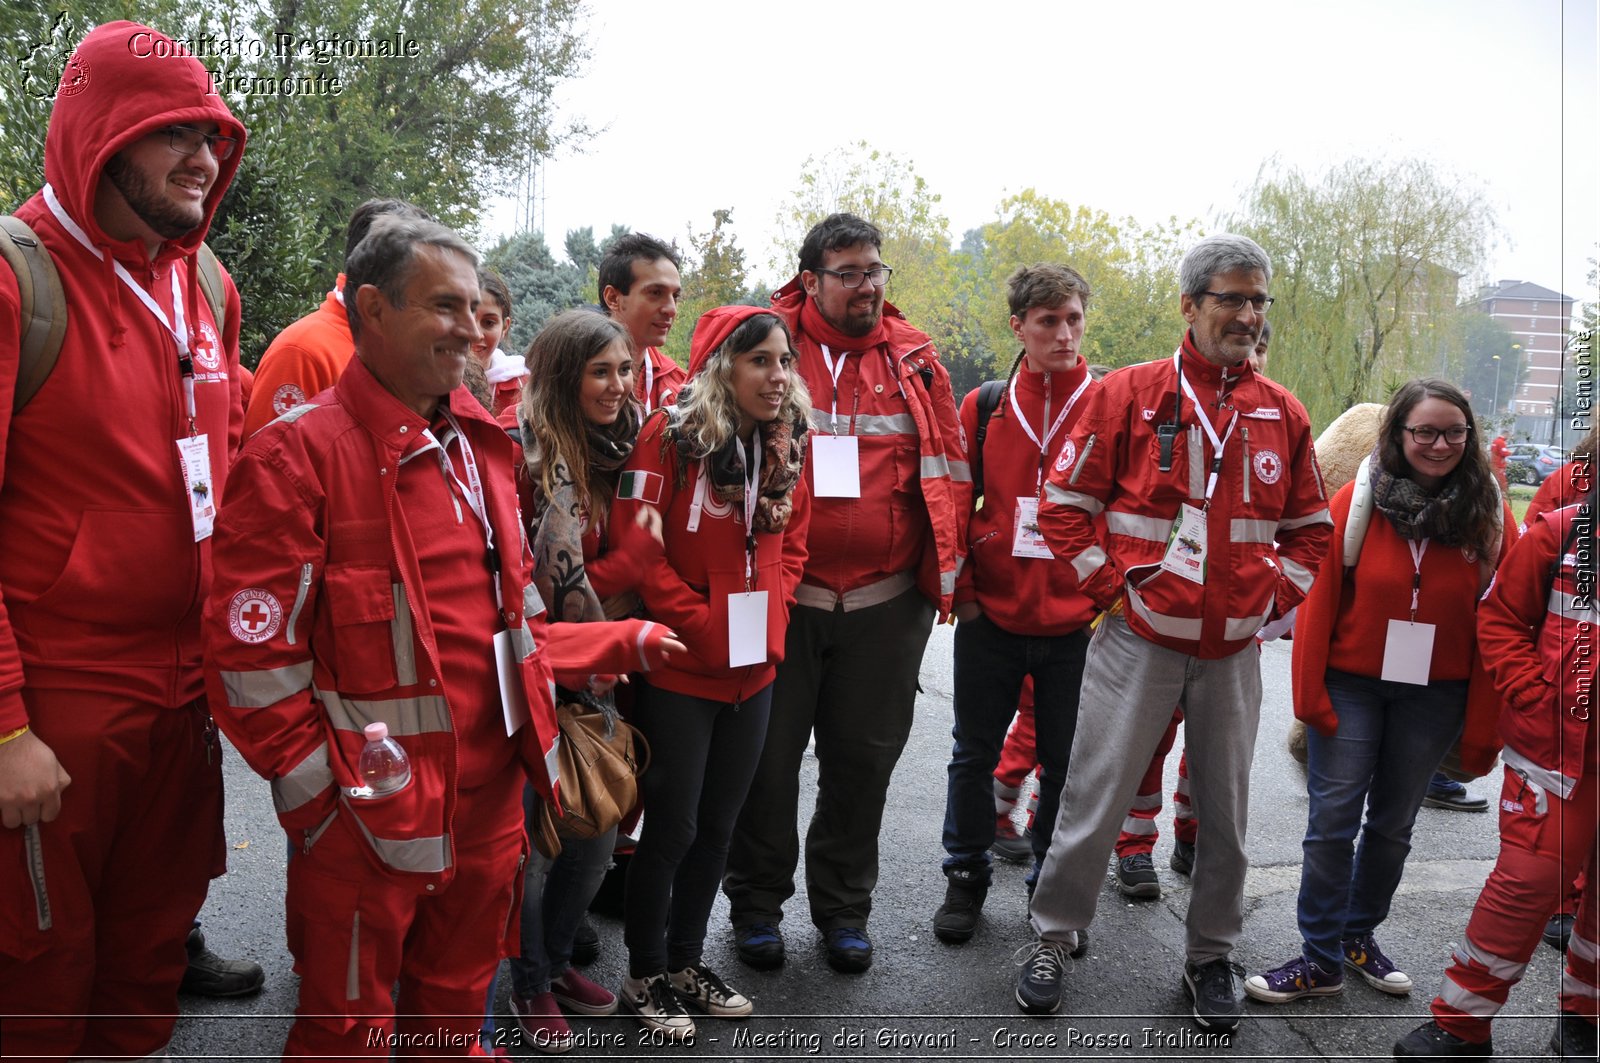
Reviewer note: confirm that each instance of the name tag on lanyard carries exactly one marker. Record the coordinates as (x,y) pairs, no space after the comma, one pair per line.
(194,457)
(1186,545)
(1027,540)
(747,610)
(835,459)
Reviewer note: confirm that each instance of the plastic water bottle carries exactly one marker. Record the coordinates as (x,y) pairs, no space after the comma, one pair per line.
(384,766)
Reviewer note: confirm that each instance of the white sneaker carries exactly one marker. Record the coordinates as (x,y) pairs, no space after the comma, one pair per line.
(657,1007)
(700,988)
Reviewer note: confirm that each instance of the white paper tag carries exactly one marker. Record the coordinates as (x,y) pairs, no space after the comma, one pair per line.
(513,695)
(1408,653)
(747,628)
(1186,546)
(195,458)
(835,467)
(1026,538)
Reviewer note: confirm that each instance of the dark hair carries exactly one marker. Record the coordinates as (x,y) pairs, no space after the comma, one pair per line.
(1476,512)
(1047,284)
(361,220)
(1266,334)
(616,268)
(835,233)
(386,257)
(495,285)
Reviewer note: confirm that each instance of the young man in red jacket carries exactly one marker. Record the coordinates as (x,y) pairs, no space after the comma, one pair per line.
(1214,523)
(1018,607)
(640,288)
(890,494)
(110,779)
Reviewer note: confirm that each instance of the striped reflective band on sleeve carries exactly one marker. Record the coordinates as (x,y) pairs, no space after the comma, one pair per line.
(405,647)
(1062,497)
(961,472)
(257,690)
(947,582)
(532,603)
(1088,563)
(936,466)
(303,781)
(1298,574)
(1319,517)
(405,716)
(1243,530)
(1138,526)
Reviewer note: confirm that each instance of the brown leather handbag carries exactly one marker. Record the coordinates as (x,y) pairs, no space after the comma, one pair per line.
(599,777)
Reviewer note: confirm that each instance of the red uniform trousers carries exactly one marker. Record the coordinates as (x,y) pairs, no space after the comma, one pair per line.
(355,931)
(93,922)
(1540,854)
(1139,830)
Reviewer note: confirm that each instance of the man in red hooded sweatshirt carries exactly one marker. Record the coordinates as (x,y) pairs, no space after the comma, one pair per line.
(110,773)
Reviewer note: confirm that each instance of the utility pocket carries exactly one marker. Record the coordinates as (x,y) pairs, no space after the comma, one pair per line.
(361,606)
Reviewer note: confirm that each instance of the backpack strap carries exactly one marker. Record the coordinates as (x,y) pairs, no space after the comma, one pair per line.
(216,292)
(1355,525)
(989,393)
(43,323)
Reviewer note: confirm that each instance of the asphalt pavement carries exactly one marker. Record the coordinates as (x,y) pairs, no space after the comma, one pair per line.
(923,999)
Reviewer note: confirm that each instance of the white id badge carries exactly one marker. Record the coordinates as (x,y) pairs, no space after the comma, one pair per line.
(835,467)
(1186,546)
(513,695)
(195,458)
(1408,653)
(1026,538)
(747,628)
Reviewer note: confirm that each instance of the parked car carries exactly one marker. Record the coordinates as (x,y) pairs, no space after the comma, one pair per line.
(1530,463)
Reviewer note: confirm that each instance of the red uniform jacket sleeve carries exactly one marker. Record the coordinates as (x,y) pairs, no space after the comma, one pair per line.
(1076,493)
(1303,535)
(1313,626)
(12,712)
(965,590)
(1510,616)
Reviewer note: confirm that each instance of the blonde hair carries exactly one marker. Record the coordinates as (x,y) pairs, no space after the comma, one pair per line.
(707,415)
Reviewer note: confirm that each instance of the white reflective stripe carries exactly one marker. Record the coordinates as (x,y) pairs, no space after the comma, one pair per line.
(961,472)
(936,466)
(1581,948)
(1298,574)
(1538,779)
(405,648)
(1181,808)
(1134,825)
(1498,967)
(522,641)
(552,763)
(1242,530)
(867,424)
(1138,526)
(532,601)
(291,416)
(1319,517)
(1173,627)
(303,781)
(1571,987)
(257,690)
(1566,605)
(961,563)
(1467,1002)
(947,582)
(1144,802)
(428,855)
(1062,497)
(814,597)
(1088,563)
(1242,627)
(405,716)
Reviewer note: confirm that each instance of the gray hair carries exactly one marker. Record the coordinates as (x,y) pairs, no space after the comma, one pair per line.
(386,257)
(1222,253)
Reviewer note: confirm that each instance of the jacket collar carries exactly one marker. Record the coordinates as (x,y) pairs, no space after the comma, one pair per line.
(393,422)
(1062,383)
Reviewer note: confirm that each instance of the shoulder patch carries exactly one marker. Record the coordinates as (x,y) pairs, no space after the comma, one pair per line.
(286,398)
(1069,451)
(207,347)
(1268,466)
(254,615)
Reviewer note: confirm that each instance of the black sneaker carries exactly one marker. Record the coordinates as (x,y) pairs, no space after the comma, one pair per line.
(849,949)
(759,945)
(1136,877)
(699,987)
(1431,1041)
(1182,858)
(1558,931)
(957,918)
(1214,988)
(585,943)
(1574,1037)
(656,1006)
(209,975)
(1039,985)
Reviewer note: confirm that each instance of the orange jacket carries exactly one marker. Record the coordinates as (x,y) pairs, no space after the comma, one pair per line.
(301,362)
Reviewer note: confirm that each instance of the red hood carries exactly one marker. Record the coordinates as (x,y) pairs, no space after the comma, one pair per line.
(114,90)
(714,328)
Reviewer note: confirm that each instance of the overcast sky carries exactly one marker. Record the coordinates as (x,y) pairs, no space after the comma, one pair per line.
(1150,109)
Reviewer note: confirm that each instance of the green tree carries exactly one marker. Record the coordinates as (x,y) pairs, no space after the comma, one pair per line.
(540,286)
(714,275)
(1488,364)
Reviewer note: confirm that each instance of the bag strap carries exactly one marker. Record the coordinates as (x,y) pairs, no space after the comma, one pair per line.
(43,322)
(989,393)
(211,285)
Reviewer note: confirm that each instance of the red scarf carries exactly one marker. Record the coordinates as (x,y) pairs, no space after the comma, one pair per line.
(812,324)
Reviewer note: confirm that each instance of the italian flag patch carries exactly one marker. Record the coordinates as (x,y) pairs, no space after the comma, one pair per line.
(639,486)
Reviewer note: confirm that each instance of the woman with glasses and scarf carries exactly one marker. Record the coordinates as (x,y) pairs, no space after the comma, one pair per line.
(1387,678)
(724,469)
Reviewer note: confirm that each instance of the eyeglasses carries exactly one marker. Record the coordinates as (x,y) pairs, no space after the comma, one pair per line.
(186,140)
(1233,302)
(1426,435)
(852,278)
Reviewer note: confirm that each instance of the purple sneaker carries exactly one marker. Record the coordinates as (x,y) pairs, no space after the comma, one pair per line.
(1298,978)
(1362,955)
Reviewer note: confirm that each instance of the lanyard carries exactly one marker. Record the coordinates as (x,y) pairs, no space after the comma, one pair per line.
(472,490)
(1044,444)
(834,369)
(1205,423)
(1417,550)
(177,327)
(751,478)
(649,381)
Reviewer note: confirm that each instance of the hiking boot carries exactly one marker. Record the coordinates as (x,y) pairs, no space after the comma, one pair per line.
(759,945)
(544,1028)
(1214,988)
(209,975)
(585,943)
(849,949)
(1136,877)
(1298,978)
(1011,845)
(1362,955)
(1182,858)
(1430,1040)
(583,995)
(656,1006)
(957,918)
(1445,792)
(1574,1037)
(699,987)
(1044,963)
(1558,931)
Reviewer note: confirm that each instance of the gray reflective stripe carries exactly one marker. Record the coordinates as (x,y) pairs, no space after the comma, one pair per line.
(1566,605)
(961,472)
(1571,987)
(961,563)
(522,641)
(405,649)
(352,970)
(1298,574)
(947,582)
(1242,627)
(1173,627)
(1498,967)
(1145,802)
(1133,825)
(552,761)
(1540,779)
(1469,1003)
(1088,563)
(1581,948)
(1181,809)
(1319,517)
(1138,526)
(532,602)
(814,597)
(257,690)
(405,716)
(299,601)
(426,855)
(865,424)
(1241,530)
(302,782)
(936,466)
(291,416)
(1062,497)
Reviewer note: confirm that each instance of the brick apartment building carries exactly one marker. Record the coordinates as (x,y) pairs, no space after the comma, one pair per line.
(1539,319)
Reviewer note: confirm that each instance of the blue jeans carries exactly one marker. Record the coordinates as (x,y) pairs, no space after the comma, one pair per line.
(555,894)
(990,664)
(1390,737)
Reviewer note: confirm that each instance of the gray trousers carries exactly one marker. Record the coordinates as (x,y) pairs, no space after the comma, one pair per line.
(1130,687)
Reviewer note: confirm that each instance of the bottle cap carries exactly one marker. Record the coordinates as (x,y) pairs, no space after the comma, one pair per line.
(376,732)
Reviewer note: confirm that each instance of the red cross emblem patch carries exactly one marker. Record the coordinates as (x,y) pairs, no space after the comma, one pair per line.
(254,615)
(1069,451)
(1268,466)
(207,348)
(286,398)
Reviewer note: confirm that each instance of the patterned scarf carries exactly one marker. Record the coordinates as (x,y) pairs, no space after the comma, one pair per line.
(1413,511)
(783,452)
